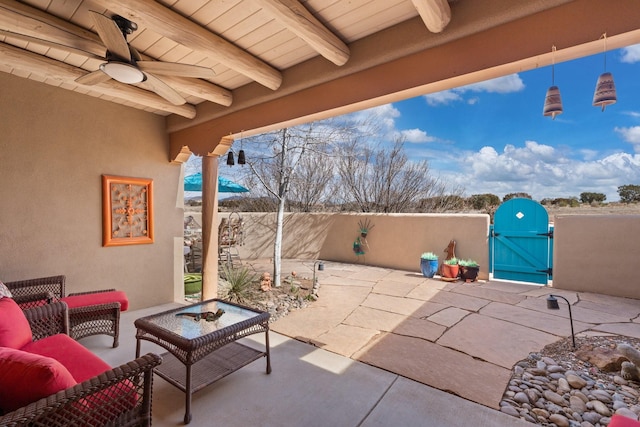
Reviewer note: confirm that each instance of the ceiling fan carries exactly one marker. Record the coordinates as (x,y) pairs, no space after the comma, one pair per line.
(125,64)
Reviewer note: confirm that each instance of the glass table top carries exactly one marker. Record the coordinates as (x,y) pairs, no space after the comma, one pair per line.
(201,319)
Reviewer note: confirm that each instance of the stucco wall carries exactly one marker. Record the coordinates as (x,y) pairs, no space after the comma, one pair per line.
(54,147)
(597,253)
(395,241)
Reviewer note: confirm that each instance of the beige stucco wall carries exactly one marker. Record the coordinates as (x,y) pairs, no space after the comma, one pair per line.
(396,240)
(54,147)
(597,253)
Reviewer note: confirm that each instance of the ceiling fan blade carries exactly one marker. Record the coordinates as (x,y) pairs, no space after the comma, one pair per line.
(111,36)
(164,90)
(176,70)
(93,78)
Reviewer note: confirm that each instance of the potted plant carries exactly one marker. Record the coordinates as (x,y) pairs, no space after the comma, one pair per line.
(365,226)
(357,247)
(468,270)
(450,268)
(428,264)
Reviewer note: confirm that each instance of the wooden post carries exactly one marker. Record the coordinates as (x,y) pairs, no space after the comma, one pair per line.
(209,227)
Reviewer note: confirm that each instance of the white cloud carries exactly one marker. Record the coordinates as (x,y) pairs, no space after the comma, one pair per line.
(543,172)
(631,54)
(507,84)
(630,135)
(416,136)
(444,97)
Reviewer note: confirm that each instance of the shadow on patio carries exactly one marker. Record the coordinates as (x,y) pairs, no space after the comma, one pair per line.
(384,347)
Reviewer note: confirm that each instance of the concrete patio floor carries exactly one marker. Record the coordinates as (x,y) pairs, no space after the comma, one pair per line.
(384,347)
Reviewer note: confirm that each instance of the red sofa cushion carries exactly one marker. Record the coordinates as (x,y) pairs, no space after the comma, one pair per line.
(97,298)
(81,363)
(15,331)
(26,377)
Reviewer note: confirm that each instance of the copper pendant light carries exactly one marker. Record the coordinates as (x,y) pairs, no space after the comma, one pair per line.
(552,101)
(605,93)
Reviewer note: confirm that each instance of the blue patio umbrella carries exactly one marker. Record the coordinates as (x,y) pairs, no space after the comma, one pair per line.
(194,183)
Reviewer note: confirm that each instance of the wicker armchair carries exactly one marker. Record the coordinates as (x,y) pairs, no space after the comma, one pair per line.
(119,397)
(99,319)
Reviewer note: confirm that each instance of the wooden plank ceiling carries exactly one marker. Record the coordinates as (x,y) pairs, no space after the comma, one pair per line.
(242,41)
(217,68)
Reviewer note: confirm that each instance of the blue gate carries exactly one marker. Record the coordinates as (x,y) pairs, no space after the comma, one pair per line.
(520,242)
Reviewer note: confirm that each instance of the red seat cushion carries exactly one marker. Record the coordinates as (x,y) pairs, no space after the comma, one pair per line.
(97,298)
(15,331)
(26,377)
(81,363)
(620,421)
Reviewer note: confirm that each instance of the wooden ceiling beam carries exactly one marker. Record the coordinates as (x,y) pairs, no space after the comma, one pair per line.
(297,19)
(35,26)
(30,24)
(64,73)
(436,14)
(164,21)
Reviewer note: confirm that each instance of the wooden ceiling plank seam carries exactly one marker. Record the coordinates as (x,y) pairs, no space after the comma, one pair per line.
(187,7)
(64,10)
(192,35)
(217,14)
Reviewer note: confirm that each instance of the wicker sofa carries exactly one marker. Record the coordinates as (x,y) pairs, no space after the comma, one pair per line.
(90,313)
(47,378)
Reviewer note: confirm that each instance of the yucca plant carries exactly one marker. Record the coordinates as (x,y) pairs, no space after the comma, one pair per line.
(240,280)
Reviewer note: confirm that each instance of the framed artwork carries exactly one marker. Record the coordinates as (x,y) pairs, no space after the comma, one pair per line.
(127,211)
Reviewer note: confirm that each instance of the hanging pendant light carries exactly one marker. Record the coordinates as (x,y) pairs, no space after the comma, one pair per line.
(605,93)
(241,158)
(553,101)
(230,161)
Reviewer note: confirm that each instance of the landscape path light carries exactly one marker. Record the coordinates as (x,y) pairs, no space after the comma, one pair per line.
(552,304)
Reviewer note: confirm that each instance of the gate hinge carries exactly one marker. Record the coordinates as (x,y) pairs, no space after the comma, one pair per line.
(549,234)
(549,271)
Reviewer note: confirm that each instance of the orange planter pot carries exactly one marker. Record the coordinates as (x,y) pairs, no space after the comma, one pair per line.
(450,271)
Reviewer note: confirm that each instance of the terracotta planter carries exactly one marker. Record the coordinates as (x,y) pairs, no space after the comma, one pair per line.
(469,274)
(450,271)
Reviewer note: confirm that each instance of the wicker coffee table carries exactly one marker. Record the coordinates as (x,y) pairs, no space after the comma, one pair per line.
(202,349)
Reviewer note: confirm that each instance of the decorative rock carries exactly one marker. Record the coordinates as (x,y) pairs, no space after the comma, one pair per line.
(563,386)
(542,413)
(577,404)
(553,397)
(559,420)
(602,396)
(605,359)
(575,381)
(521,398)
(601,408)
(592,417)
(510,410)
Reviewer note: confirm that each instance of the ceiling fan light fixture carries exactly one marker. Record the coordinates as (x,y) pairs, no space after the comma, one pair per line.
(123,72)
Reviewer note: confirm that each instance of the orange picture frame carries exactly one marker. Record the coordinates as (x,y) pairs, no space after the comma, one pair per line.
(127,211)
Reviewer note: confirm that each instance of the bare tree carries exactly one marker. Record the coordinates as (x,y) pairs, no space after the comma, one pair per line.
(291,160)
(381,179)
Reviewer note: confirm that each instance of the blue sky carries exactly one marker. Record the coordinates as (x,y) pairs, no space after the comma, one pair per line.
(491,137)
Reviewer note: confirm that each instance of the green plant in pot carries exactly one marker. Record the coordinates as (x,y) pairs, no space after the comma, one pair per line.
(428,264)
(450,268)
(469,270)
